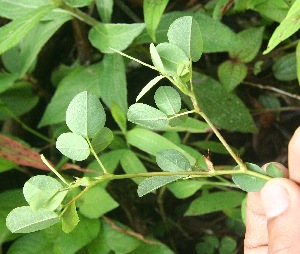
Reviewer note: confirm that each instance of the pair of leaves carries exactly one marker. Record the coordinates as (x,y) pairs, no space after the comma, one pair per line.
(167,100)
(85,117)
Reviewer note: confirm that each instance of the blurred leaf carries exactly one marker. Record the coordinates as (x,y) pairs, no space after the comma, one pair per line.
(79,80)
(12,33)
(285,68)
(151,142)
(158,248)
(172,160)
(153,183)
(191,125)
(78,3)
(227,245)
(231,74)
(249,183)
(102,139)
(153,9)
(185,189)
(223,108)
(147,116)
(212,146)
(171,55)
(288,26)
(185,33)
(7,80)
(43,192)
(69,219)
(96,202)
(24,220)
(274,171)
(119,116)
(6,165)
(146,88)
(249,44)
(73,146)
(105,9)
(85,115)
(168,100)
(298,61)
(214,202)
(116,36)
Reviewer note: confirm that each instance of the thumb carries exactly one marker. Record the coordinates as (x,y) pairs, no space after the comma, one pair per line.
(281,202)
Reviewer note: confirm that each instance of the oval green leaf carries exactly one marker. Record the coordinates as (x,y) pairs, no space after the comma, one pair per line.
(285,68)
(168,100)
(24,220)
(85,115)
(274,171)
(73,146)
(147,116)
(173,161)
(185,33)
(102,139)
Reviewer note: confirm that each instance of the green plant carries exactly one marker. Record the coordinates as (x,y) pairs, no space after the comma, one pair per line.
(182,39)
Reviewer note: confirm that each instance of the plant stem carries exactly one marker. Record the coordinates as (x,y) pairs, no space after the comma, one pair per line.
(96,157)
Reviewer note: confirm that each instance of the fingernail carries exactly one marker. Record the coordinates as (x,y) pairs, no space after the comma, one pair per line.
(275,199)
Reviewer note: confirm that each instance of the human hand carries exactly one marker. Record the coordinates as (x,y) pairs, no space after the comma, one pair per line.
(273,214)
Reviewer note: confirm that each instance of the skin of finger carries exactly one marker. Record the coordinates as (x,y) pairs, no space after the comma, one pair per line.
(294,157)
(256,237)
(284,231)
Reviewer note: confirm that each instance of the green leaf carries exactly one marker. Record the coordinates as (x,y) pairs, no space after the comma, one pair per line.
(105,9)
(73,146)
(131,164)
(153,9)
(172,160)
(227,245)
(231,74)
(185,189)
(190,125)
(153,183)
(24,220)
(85,115)
(102,139)
(78,3)
(171,56)
(288,26)
(151,83)
(152,143)
(96,202)
(69,219)
(186,34)
(79,80)
(156,59)
(112,84)
(213,146)
(214,202)
(223,108)
(249,183)
(249,44)
(285,68)
(116,36)
(119,116)
(274,171)
(7,80)
(12,33)
(168,100)
(43,192)
(152,249)
(147,116)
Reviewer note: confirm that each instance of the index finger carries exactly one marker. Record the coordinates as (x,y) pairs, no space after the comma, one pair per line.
(294,157)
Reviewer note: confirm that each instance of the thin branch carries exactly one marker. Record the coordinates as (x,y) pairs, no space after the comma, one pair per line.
(96,157)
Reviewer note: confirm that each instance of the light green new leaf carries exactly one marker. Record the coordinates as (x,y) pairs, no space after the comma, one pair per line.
(191,125)
(168,100)
(105,9)
(78,3)
(285,68)
(153,183)
(249,183)
(102,139)
(12,33)
(171,56)
(96,202)
(69,219)
(73,146)
(231,74)
(147,116)
(156,59)
(274,171)
(24,220)
(119,116)
(185,189)
(151,83)
(172,160)
(153,9)
(186,34)
(116,36)
(214,202)
(43,192)
(152,143)
(288,26)
(85,115)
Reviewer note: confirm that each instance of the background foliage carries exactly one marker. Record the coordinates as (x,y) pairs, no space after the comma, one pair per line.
(245,75)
